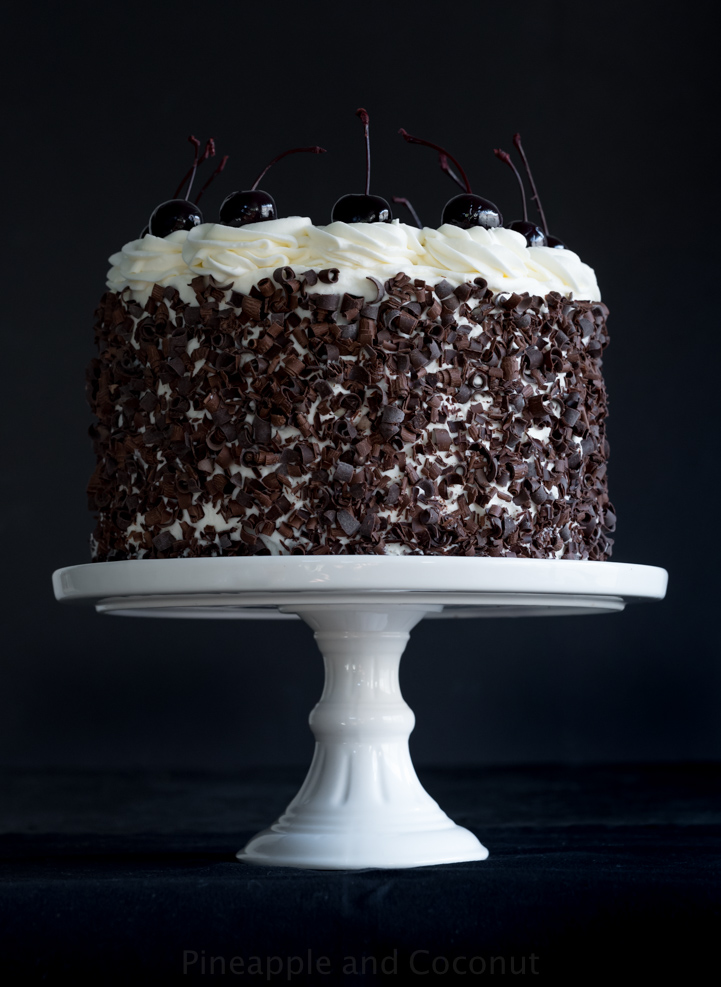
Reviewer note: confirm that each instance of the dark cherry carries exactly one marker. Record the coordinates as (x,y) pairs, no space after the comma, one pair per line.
(362,207)
(535,237)
(469,210)
(177,213)
(254,205)
(551,241)
(465,210)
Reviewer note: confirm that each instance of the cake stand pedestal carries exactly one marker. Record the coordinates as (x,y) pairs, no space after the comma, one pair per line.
(361,804)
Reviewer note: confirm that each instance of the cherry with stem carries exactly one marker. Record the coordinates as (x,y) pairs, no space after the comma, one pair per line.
(180,213)
(535,237)
(551,240)
(466,210)
(254,205)
(362,208)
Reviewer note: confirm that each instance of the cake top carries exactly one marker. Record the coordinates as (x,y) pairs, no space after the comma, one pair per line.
(247,254)
(362,243)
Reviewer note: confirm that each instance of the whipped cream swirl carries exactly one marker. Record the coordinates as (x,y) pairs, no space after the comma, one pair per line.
(243,256)
(148,261)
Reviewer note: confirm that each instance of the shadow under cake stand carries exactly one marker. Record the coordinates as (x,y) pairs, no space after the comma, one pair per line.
(361,804)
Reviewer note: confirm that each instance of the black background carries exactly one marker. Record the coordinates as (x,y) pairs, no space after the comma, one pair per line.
(611,102)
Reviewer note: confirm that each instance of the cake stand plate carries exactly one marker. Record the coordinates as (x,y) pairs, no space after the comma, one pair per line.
(361,804)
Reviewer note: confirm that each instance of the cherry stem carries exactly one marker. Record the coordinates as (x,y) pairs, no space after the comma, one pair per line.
(524,159)
(293,150)
(196,147)
(441,150)
(506,158)
(443,162)
(209,152)
(214,175)
(411,210)
(365,120)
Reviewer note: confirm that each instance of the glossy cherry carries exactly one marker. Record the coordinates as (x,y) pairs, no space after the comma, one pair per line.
(551,241)
(180,213)
(465,210)
(175,214)
(362,207)
(254,205)
(535,237)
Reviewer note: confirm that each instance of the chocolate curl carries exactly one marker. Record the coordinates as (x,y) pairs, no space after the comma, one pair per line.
(380,291)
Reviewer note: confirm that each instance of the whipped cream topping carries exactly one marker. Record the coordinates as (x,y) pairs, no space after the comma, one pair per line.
(148,261)
(247,254)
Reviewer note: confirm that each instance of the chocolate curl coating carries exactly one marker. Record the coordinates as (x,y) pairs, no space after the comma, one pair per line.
(329,466)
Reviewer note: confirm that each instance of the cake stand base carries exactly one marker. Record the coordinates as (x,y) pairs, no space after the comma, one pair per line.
(361,804)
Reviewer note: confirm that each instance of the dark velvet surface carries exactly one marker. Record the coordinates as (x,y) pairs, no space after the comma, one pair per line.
(591,869)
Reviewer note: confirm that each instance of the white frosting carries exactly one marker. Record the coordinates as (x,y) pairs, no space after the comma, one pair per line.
(231,254)
(247,254)
(148,261)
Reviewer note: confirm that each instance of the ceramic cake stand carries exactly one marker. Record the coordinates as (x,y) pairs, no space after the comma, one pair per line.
(361,804)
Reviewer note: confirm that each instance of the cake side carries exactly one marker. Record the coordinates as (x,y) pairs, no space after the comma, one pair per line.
(294,418)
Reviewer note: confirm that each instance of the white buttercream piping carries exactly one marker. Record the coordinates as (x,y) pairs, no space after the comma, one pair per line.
(245,255)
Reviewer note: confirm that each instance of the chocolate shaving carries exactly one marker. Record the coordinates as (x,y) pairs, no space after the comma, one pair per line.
(343,472)
(347,522)
(379,290)
(261,431)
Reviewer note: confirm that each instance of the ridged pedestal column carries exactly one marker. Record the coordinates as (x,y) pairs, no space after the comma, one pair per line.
(361,804)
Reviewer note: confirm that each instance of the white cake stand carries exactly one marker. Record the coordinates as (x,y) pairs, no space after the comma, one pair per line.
(361,804)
